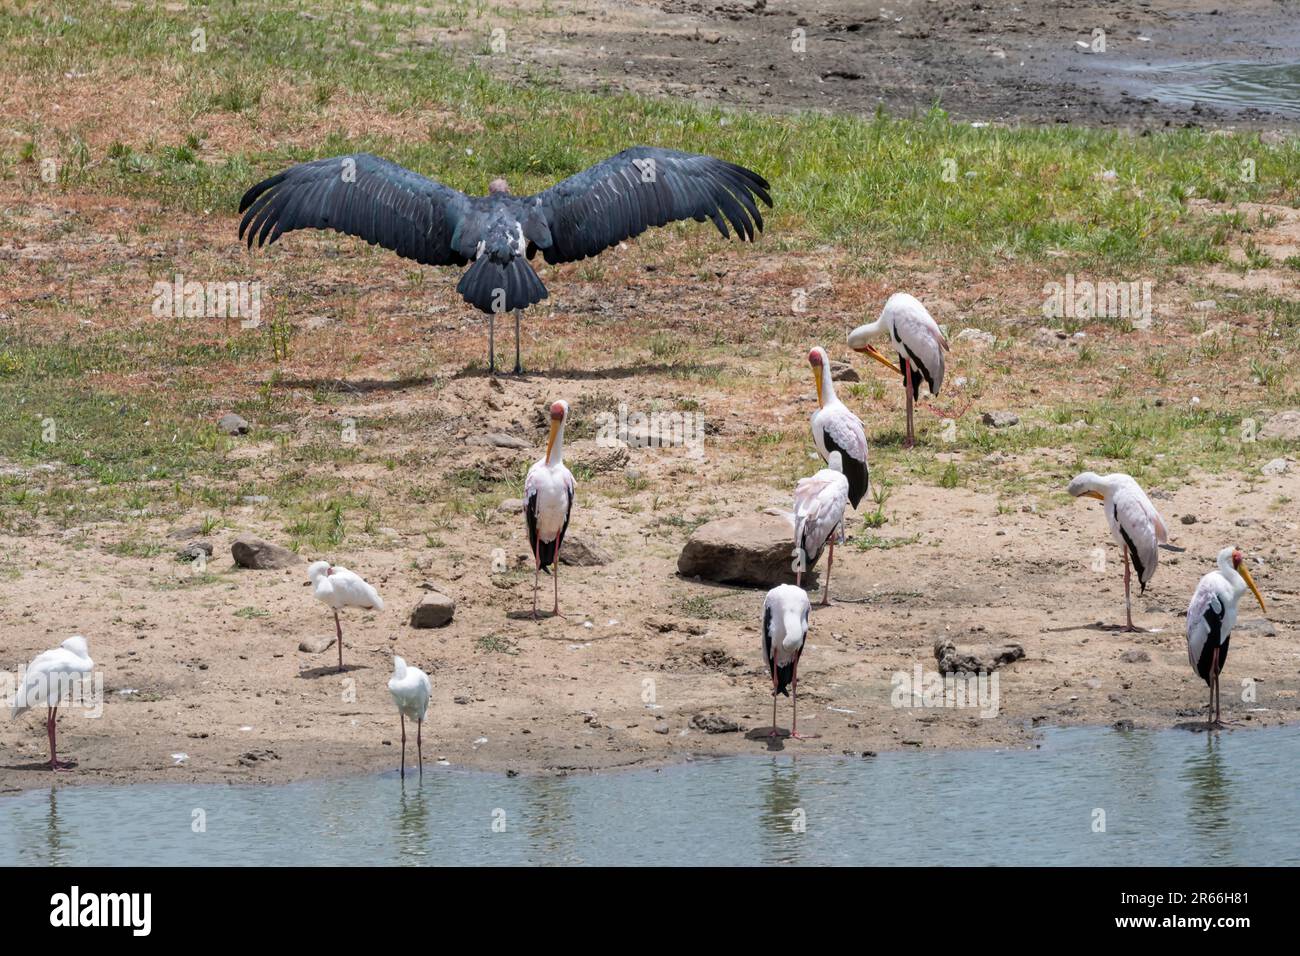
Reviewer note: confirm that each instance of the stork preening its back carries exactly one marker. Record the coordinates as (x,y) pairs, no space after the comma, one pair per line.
(423,220)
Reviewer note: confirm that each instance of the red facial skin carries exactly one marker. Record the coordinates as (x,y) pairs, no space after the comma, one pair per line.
(557,412)
(1237,558)
(815,358)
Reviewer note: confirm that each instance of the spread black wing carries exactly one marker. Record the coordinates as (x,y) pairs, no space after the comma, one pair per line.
(365,196)
(644,186)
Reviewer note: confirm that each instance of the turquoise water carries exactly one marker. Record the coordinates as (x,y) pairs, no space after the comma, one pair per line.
(1169,797)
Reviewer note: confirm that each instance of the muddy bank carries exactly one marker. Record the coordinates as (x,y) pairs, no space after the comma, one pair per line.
(1032,61)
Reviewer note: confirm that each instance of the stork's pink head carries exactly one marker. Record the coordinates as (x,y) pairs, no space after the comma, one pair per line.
(817,357)
(1237,557)
(558,411)
(498,187)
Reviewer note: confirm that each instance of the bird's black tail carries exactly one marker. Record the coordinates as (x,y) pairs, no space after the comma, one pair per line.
(546,553)
(784,674)
(493,286)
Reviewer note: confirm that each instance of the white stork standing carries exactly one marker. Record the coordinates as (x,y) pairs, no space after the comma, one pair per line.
(1210,619)
(918,341)
(339,588)
(410,689)
(48,679)
(835,428)
(1135,524)
(819,503)
(785,625)
(548,501)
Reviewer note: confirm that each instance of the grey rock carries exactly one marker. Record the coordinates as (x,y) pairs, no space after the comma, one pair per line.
(255,500)
(192,551)
(1135,657)
(661,728)
(974,660)
(1282,425)
(315,645)
(1188,519)
(844,372)
(576,552)
(185,534)
(259,555)
(976,337)
(751,549)
(434,610)
(511,506)
(1002,419)
(1277,466)
(1258,625)
(713,724)
(232,424)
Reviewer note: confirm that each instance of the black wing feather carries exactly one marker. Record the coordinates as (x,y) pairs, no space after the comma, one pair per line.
(384,204)
(612,201)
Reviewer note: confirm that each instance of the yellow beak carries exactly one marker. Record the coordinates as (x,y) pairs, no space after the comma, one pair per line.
(817,381)
(1250,583)
(550,442)
(875,354)
(1094,494)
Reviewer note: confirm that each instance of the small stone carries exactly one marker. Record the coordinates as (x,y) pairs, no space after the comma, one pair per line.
(315,645)
(1277,466)
(255,500)
(1188,519)
(976,337)
(232,424)
(844,372)
(1205,305)
(434,610)
(576,552)
(1135,657)
(1244,522)
(713,724)
(1123,724)
(661,729)
(1258,625)
(511,506)
(194,549)
(1284,425)
(1000,419)
(259,555)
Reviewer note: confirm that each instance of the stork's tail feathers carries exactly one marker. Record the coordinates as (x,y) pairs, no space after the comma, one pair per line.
(546,553)
(784,675)
(492,286)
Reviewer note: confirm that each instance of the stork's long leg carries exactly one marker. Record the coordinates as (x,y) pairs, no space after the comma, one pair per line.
(826,591)
(402,717)
(537,570)
(51,731)
(555,573)
(492,343)
(1212,716)
(419,747)
(338,635)
(907,381)
(772,664)
(519,369)
(794,692)
(1128,594)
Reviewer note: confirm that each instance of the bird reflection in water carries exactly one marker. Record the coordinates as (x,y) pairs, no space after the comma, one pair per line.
(414,836)
(1211,798)
(782,814)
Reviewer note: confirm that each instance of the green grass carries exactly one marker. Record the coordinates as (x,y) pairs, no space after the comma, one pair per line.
(867,183)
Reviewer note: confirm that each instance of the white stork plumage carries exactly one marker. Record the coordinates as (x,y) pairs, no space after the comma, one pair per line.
(917,340)
(835,428)
(1135,524)
(48,679)
(410,689)
(1211,617)
(785,626)
(339,588)
(819,503)
(548,501)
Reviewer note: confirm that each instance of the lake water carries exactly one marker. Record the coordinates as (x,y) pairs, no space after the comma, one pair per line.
(1236,85)
(1169,798)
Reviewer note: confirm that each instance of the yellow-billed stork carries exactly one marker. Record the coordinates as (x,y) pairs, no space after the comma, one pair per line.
(548,501)
(819,503)
(835,428)
(1210,619)
(1135,524)
(917,340)
(410,689)
(785,626)
(338,588)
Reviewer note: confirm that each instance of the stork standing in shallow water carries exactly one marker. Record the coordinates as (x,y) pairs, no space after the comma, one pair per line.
(916,338)
(548,501)
(835,428)
(46,681)
(423,220)
(339,588)
(1211,617)
(819,503)
(1135,524)
(410,689)
(785,627)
